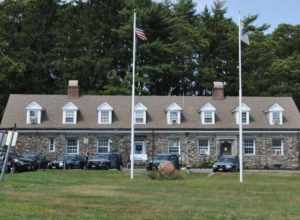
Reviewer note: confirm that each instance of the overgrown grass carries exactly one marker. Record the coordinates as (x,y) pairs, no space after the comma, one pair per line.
(103,195)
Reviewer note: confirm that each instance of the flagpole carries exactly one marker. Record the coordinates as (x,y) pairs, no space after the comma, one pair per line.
(132,97)
(240,105)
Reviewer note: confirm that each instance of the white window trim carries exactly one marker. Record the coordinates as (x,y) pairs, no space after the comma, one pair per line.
(237,118)
(254,147)
(179,148)
(203,118)
(37,112)
(178,120)
(108,147)
(208,146)
(144,117)
(76,150)
(271,121)
(109,117)
(281,148)
(74,118)
(54,145)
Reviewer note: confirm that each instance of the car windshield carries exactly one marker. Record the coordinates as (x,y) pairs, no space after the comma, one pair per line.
(101,156)
(226,160)
(161,157)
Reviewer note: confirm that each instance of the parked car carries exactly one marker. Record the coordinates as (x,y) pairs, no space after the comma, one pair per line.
(67,161)
(105,161)
(226,163)
(38,160)
(160,158)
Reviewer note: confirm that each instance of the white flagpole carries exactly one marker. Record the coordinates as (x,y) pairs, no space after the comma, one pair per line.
(240,105)
(132,97)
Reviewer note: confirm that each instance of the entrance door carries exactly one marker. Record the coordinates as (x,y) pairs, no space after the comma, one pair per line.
(225,149)
(140,151)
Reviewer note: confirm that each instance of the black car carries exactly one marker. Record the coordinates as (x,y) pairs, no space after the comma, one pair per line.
(160,158)
(226,163)
(68,161)
(38,161)
(105,161)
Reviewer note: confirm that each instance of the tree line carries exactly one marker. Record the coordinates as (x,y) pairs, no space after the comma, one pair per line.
(44,43)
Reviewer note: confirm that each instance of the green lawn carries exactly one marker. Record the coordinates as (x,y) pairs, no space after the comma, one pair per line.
(76,194)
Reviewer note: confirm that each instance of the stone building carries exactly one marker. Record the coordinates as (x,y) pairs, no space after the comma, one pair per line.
(198,128)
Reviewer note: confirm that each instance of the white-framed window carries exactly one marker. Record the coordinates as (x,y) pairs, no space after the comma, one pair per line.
(70,116)
(208,117)
(204,146)
(140,116)
(72,146)
(276,118)
(208,114)
(103,145)
(33,113)
(33,116)
(104,113)
(174,145)
(277,146)
(249,146)
(51,145)
(173,115)
(275,113)
(245,118)
(104,117)
(70,113)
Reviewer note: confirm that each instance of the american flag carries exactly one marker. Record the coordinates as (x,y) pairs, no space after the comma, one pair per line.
(140,33)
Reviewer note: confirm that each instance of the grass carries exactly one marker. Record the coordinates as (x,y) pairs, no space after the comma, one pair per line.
(105,195)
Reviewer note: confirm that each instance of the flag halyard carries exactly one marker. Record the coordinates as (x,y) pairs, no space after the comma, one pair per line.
(140,33)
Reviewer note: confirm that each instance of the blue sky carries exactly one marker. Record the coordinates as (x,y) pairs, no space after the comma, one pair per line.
(272,12)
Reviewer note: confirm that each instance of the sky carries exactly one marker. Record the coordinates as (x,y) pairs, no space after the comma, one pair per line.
(272,12)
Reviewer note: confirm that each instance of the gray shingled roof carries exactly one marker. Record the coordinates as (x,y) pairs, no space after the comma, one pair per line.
(156,115)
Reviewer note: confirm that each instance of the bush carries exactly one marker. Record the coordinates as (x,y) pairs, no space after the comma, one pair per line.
(176,175)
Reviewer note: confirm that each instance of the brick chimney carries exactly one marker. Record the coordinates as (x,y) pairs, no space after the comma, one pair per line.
(218,90)
(73,89)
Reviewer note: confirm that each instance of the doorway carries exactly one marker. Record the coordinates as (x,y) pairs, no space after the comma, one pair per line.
(225,148)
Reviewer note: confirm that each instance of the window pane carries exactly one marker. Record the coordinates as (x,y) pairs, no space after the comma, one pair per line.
(208,117)
(72,145)
(249,145)
(244,117)
(276,117)
(70,116)
(103,145)
(173,145)
(203,146)
(51,145)
(173,116)
(139,116)
(277,146)
(104,116)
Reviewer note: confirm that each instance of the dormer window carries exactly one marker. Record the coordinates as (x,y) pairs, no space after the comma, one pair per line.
(174,114)
(33,113)
(208,114)
(70,113)
(275,114)
(140,114)
(245,114)
(104,113)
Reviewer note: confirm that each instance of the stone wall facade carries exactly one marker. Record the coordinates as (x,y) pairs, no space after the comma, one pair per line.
(158,143)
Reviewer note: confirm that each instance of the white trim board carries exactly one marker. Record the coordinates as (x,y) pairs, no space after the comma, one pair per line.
(155,131)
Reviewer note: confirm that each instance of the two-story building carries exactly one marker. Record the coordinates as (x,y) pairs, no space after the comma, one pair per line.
(198,128)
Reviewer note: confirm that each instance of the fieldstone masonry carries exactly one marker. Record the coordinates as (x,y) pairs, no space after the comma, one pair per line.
(158,143)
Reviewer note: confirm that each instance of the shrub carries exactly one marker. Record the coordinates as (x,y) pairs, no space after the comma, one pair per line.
(176,175)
